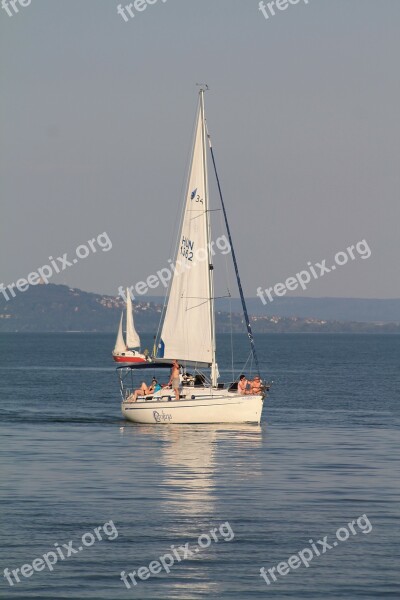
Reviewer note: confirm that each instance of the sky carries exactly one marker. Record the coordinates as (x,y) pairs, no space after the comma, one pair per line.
(97,115)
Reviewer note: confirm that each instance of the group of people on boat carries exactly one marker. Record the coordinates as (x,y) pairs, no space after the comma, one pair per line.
(251,387)
(245,386)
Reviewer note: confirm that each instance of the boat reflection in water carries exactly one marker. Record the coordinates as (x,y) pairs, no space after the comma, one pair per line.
(197,470)
(192,460)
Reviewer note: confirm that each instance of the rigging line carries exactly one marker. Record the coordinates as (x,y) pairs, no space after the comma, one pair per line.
(230,319)
(251,367)
(244,366)
(247,361)
(202,298)
(203,212)
(246,315)
(197,305)
(229,295)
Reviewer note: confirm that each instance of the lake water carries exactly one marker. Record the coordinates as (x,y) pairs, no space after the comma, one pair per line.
(327,453)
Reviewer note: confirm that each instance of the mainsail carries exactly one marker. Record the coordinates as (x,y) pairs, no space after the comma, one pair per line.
(188,332)
(120,342)
(132,337)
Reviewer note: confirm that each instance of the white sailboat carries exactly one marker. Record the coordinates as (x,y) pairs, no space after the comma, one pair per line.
(188,331)
(125,352)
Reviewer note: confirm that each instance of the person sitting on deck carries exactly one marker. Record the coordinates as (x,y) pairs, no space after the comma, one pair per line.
(242,385)
(142,391)
(155,385)
(255,386)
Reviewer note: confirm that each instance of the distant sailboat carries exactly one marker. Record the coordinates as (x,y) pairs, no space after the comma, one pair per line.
(188,331)
(124,352)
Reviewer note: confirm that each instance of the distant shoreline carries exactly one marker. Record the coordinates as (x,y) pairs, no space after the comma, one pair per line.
(60,309)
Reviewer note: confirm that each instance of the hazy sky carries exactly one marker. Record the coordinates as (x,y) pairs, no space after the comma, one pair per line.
(97,116)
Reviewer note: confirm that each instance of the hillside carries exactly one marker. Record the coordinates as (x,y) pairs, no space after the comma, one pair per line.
(60,308)
(46,308)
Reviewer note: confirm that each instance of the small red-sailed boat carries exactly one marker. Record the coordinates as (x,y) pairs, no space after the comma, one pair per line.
(124,352)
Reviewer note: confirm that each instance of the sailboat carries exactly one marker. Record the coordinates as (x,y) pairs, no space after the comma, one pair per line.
(124,352)
(188,329)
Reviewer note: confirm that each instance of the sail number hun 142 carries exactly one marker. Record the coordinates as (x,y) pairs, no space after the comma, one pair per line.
(187,248)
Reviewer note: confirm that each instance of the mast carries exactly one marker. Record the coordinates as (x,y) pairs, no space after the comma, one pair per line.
(242,298)
(214,369)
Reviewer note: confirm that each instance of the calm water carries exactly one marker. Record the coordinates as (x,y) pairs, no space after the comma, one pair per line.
(326,453)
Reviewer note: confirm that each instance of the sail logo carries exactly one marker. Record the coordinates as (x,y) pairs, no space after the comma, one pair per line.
(161,349)
(195,195)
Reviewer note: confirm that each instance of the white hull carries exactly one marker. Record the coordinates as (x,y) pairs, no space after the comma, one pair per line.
(209,406)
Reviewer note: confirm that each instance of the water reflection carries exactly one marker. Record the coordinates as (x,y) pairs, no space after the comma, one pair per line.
(195,457)
(199,467)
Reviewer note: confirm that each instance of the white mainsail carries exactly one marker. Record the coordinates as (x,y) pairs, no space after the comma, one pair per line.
(188,329)
(132,337)
(120,342)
